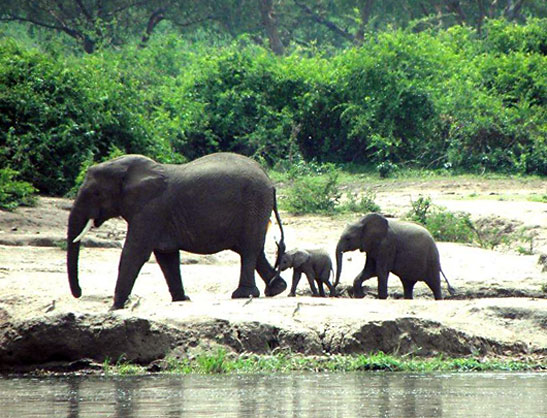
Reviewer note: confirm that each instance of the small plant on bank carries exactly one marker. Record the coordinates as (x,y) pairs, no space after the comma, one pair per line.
(122,367)
(450,226)
(365,204)
(213,364)
(314,193)
(14,193)
(387,169)
(419,209)
(220,362)
(443,224)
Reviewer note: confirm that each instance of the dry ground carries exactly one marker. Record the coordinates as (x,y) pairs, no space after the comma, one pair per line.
(500,308)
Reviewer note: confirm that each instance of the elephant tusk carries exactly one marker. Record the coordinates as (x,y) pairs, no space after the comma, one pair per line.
(86,229)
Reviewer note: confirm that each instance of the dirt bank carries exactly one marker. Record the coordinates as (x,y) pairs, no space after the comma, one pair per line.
(500,307)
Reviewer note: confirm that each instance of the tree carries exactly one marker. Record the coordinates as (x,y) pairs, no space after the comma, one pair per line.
(90,22)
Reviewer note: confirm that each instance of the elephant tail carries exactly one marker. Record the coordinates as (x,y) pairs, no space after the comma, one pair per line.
(450,288)
(281,244)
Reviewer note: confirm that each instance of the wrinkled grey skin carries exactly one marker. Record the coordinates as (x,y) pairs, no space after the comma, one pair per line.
(405,249)
(315,264)
(218,202)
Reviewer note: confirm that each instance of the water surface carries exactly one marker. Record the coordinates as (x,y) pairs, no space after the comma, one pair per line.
(298,395)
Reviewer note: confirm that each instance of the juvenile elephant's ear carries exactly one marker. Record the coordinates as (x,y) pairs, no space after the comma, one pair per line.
(144,180)
(374,229)
(300,257)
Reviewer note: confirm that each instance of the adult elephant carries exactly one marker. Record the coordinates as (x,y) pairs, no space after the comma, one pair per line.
(222,201)
(406,249)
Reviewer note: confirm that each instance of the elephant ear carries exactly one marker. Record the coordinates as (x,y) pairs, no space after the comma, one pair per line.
(374,229)
(144,180)
(300,257)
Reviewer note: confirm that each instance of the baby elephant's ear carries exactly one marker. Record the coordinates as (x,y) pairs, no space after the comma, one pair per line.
(300,257)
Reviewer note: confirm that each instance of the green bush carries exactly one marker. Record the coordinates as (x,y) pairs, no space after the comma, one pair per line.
(435,99)
(364,204)
(14,193)
(448,226)
(54,113)
(441,223)
(241,102)
(313,194)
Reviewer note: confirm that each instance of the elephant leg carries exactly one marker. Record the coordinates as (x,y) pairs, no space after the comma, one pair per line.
(247,287)
(295,279)
(134,255)
(382,284)
(311,281)
(368,272)
(274,284)
(408,287)
(332,290)
(170,266)
(321,288)
(435,286)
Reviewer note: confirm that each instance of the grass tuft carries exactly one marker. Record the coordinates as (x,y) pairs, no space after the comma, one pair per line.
(222,362)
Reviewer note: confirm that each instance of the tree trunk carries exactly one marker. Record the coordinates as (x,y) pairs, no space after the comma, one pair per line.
(270,25)
(365,10)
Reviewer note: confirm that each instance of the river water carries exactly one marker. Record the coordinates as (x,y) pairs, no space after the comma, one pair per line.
(294,395)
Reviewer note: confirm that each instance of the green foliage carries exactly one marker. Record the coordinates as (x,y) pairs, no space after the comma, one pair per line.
(240,102)
(449,99)
(448,226)
(213,364)
(222,362)
(419,209)
(122,367)
(52,118)
(14,193)
(441,223)
(314,194)
(504,37)
(386,169)
(364,204)
(315,188)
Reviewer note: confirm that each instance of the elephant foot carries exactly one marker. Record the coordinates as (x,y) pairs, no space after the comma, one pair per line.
(291,295)
(277,286)
(182,298)
(358,292)
(244,292)
(116,306)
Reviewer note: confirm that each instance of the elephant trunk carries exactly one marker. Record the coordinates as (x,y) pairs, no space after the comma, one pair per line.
(76,226)
(339,257)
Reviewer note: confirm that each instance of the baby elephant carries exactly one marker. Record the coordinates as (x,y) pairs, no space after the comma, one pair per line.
(406,249)
(315,264)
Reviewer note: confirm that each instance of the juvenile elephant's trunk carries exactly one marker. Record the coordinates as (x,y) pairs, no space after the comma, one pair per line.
(76,224)
(339,257)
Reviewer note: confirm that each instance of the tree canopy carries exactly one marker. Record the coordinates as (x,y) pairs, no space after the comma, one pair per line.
(276,24)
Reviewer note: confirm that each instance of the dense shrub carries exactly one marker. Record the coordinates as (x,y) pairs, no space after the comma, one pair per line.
(13,192)
(54,114)
(313,194)
(240,101)
(450,99)
(441,223)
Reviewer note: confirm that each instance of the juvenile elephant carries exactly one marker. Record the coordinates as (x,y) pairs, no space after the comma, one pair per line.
(315,264)
(217,202)
(406,249)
